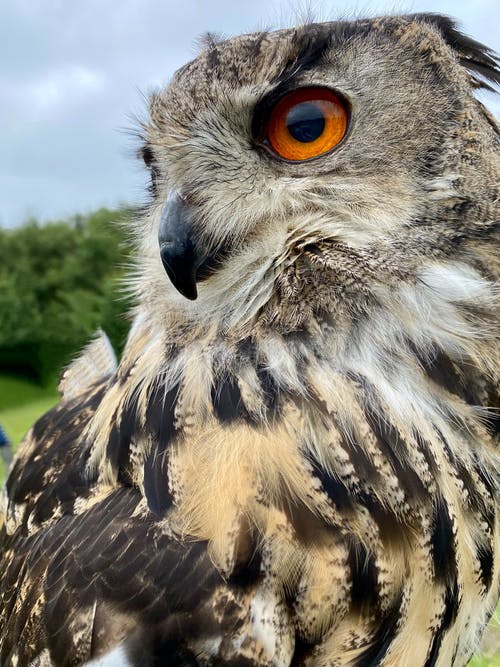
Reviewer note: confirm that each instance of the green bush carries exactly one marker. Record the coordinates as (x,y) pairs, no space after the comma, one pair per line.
(59,282)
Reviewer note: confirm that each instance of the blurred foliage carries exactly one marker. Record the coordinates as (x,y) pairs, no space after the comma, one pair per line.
(59,282)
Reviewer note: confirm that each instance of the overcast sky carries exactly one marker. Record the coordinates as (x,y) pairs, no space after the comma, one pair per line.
(74,73)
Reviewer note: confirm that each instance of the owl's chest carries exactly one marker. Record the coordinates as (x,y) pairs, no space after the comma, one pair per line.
(346,549)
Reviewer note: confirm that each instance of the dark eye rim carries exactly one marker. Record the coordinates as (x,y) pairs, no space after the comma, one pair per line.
(262,114)
(147,155)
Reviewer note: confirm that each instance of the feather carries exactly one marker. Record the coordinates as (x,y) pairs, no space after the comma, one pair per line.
(96,362)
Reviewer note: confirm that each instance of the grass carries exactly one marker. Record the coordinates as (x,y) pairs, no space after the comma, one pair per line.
(490,647)
(16,391)
(22,402)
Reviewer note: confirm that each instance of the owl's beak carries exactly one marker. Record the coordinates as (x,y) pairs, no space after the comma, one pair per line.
(178,250)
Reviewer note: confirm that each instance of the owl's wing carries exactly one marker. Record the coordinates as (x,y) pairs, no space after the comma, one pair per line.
(91,581)
(85,568)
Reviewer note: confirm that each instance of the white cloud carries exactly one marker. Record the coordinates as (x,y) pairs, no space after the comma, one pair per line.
(62,88)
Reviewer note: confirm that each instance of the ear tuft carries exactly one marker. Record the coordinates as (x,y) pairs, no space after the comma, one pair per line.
(482,63)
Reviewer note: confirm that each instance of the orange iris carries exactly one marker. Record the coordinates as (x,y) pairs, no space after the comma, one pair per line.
(306,123)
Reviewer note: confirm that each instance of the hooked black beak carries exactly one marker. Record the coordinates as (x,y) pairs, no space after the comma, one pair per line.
(178,251)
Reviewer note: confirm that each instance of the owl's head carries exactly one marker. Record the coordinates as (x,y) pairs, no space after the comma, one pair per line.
(313,171)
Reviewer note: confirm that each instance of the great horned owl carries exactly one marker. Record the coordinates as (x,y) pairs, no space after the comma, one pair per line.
(295,462)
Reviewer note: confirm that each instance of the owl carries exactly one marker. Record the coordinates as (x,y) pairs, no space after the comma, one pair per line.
(296,460)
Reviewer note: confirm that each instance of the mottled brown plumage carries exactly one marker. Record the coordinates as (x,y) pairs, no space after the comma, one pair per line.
(299,467)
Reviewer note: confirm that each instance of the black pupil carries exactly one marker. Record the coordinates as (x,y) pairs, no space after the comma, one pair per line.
(305,122)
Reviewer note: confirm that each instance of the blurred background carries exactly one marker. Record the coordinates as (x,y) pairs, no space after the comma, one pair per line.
(74,80)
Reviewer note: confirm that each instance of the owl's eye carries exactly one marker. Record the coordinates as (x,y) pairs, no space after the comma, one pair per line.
(306,123)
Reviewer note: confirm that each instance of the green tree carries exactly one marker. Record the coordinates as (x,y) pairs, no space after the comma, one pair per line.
(59,282)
